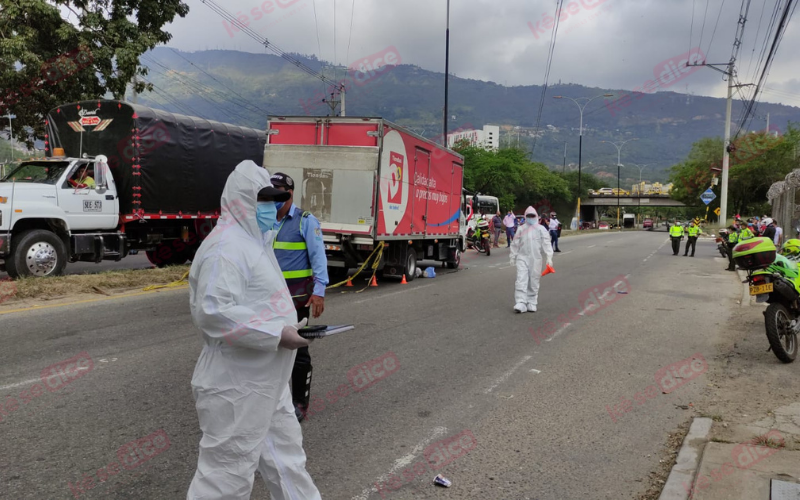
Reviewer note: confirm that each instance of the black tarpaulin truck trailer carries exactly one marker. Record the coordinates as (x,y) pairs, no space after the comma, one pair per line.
(159,178)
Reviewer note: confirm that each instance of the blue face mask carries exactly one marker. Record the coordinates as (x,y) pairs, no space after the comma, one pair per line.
(266,215)
(279,204)
(530,220)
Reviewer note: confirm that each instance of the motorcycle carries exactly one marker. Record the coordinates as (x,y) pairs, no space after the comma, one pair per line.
(722,242)
(480,238)
(774,279)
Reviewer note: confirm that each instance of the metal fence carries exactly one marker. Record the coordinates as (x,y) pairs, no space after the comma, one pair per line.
(783,196)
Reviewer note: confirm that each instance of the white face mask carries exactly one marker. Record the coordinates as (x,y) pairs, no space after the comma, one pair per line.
(530,220)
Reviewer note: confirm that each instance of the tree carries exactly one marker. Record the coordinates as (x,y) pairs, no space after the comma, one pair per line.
(60,51)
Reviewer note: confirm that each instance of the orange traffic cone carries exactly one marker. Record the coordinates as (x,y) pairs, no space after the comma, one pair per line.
(349,282)
(403,281)
(549,269)
(374,281)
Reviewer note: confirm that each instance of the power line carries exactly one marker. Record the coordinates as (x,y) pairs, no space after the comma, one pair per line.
(551,51)
(715,27)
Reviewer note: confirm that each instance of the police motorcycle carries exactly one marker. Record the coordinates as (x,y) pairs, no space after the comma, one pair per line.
(479,237)
(722,240)
(774,278)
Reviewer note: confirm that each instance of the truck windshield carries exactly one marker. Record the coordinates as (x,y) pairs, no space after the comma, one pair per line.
(42,172)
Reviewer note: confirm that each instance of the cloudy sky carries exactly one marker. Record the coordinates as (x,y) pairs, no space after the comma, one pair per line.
(614,44)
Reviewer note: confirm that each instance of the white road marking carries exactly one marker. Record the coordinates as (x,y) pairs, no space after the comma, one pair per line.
(534,370)
(402,462)
(507,374)
(558,332)
(505,267)
(30,381)
(392,294)
(20,384)
(591,246)
(627,275)
(565,253)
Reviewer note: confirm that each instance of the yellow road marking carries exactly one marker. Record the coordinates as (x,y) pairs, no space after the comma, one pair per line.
(89,301)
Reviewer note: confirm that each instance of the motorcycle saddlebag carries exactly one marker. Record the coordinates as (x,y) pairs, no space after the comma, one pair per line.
(754,253)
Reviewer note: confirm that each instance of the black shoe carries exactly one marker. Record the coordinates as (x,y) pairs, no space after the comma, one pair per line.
(729,269)
(299,412)
(557,250)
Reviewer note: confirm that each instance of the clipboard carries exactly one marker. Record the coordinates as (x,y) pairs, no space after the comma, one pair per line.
(320,331)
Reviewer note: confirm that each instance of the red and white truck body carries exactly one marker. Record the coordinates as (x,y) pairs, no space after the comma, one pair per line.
(368,181)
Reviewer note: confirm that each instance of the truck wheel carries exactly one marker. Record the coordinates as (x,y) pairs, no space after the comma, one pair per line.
(37,252)
(337,274)
(411,264)
(455,260)
(163,258)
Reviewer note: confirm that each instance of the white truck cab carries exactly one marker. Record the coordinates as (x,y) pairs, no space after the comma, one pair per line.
(45,204)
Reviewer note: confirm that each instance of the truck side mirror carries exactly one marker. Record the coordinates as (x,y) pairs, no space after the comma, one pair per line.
(101,172)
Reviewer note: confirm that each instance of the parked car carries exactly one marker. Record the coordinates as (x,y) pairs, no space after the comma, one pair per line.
(603,225)
(605,191)
(647,224)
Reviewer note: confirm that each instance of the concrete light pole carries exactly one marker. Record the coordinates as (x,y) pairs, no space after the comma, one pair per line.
(619,164)
(580,141)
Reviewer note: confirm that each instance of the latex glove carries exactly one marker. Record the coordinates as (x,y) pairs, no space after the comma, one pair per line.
(550,260)
(290,339)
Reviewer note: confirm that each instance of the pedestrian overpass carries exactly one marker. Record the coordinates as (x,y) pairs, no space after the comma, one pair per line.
(589,205)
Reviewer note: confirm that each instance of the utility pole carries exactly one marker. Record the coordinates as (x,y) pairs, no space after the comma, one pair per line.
(446,72)
(11,133)
(619,164)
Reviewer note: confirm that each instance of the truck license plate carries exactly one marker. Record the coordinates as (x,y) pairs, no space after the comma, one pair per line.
(92,206)
(759,289)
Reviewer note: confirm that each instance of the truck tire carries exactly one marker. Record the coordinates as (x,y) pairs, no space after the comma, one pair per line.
(37,252)
(170,258)
(455,259)
(411,264)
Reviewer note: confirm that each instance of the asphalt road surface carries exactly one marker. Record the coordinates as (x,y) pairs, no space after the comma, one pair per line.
(572,402)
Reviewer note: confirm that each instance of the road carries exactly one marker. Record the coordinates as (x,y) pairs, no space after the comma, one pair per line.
(537,401)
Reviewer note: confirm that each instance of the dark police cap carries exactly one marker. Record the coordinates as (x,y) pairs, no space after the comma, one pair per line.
(280,179)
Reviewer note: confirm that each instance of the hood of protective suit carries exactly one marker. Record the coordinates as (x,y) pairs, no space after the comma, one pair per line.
(531,210)
(240,196)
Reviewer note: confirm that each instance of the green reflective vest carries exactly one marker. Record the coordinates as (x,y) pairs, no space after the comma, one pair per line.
(676,231)
(733,238)
(746,234)
(693,231)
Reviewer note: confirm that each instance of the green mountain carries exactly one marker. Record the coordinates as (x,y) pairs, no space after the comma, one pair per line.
(242,88)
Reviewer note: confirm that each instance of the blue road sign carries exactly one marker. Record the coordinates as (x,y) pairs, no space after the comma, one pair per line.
(708,196)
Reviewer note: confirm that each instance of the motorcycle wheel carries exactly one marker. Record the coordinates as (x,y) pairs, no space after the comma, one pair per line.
(781,337)
(487,246)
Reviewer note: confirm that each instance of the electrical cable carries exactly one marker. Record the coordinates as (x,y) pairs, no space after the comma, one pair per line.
(257,108)
(350,36)
(551,51)
(715,28)
(703,27)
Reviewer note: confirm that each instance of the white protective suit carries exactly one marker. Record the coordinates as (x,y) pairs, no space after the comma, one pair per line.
(530,244)
(240,302)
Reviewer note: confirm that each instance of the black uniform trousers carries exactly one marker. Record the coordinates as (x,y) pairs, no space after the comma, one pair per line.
(692,240)
(676,244)
(301,290)
(729,246)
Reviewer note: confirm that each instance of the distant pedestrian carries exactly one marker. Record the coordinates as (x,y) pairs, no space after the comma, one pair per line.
(510,223)
(733,240)
(769,229)
(497,228)
(676,235)
(554,224)
(778,240)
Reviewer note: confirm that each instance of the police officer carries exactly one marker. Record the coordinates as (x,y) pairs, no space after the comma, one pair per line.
(733,240)
(692,232)
(676,234)
(301,256)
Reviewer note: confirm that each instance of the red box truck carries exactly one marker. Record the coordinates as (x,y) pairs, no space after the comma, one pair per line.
(369,181)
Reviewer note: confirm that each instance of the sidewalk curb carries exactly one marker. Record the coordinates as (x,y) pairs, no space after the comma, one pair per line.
(688,461)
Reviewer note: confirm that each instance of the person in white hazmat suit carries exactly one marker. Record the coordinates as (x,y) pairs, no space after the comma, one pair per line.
(240,302)
(530,245)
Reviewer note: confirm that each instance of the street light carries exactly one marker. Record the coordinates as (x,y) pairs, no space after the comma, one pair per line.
(580,139)
(641,168)
(619,164)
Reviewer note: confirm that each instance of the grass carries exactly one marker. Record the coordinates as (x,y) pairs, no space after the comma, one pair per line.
(769,442)
(714,417)
(64,286)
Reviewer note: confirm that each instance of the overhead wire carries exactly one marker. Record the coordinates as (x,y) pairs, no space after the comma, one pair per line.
(758,31)
(350,36)
(267,44)
(551,51)
(691,26)
(715,27)
(243,99)
(703,27)
(319,45)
